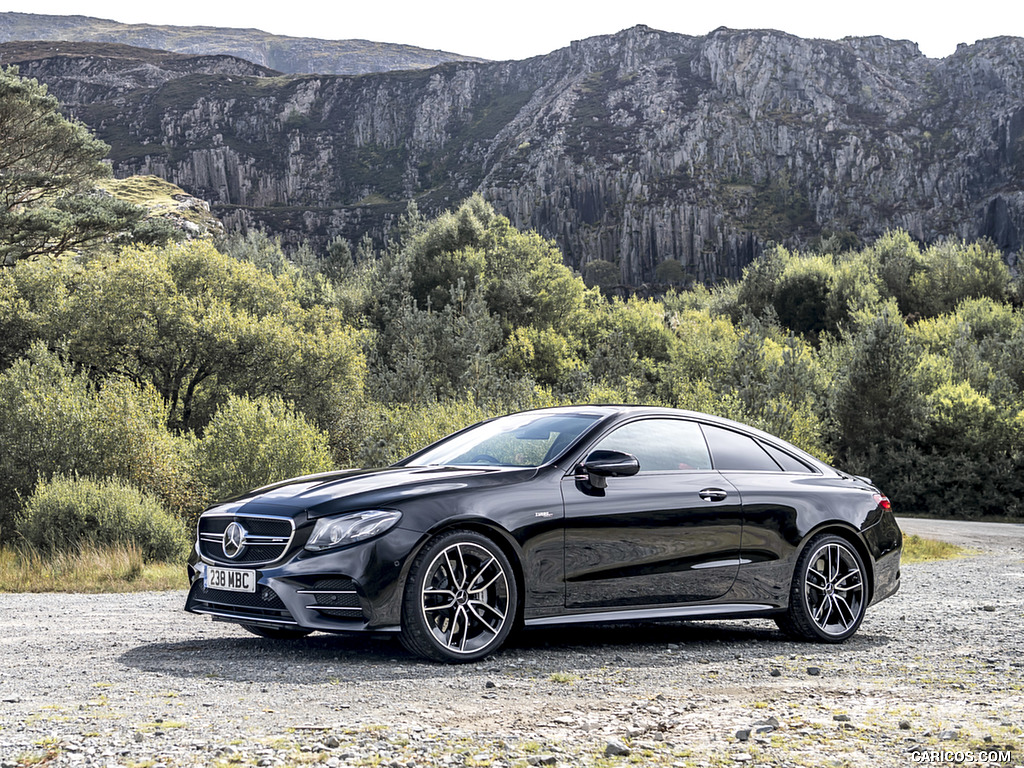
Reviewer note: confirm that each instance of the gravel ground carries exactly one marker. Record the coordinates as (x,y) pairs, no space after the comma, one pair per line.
(131,680)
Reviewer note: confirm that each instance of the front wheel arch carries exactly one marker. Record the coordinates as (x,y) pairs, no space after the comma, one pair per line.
(460,600)
(501,538)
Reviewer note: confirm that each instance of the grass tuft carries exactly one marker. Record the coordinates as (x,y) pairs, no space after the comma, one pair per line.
(918,550)
(92,569)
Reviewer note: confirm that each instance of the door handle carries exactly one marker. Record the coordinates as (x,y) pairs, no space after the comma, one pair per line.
(713,494)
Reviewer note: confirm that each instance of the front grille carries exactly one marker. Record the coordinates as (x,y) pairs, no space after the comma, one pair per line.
(266,538)
(334,597)
(239,605)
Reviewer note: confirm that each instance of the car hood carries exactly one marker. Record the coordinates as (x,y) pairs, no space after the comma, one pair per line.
(349,490)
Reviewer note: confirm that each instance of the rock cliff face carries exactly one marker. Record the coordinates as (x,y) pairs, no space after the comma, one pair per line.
(633,148)
(287,54)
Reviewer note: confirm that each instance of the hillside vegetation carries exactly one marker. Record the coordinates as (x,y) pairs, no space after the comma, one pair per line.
(187,373)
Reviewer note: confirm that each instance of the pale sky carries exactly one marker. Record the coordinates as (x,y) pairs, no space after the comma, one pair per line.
(517,30)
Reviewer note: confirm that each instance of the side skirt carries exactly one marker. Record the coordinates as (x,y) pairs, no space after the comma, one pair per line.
(721,610)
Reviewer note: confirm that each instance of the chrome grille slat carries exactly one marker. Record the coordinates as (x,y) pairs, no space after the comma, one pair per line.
(267,537)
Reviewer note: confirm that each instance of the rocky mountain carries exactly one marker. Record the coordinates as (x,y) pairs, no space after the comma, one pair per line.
(632,148)
(287,54)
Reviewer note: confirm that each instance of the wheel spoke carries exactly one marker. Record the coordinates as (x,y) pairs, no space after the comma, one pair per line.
(482,620)
(439,592)
(465,626)
(444,607)
(820,616)
(465,571)
(478,574)
(497,576)
(474,604)
(818,575)
(850,575)
(452,573)
(819,587)
(840,603)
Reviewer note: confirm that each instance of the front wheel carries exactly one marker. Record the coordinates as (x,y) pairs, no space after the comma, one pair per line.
(829,593)
(460,600)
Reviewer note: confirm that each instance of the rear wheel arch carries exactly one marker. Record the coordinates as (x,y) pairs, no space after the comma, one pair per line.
(852,537)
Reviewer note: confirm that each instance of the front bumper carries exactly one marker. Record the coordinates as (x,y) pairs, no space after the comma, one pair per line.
(354,589)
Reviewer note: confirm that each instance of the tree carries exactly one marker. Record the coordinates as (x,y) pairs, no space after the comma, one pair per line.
(877,400)
(254,442)
(193,323)
(48,169)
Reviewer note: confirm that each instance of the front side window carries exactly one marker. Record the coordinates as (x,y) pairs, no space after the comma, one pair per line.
(660,445)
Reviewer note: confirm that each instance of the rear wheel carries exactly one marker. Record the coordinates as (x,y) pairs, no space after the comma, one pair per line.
(460,599)
(276,633)
(829,593)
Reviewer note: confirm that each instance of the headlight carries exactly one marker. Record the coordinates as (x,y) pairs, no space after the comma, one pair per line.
(348,529)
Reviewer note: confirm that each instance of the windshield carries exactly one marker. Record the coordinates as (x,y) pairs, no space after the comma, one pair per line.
(519,440)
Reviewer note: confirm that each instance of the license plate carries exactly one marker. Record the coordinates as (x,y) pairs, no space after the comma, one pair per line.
(230,579)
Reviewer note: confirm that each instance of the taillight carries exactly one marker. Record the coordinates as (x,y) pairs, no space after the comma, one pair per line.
(882,501)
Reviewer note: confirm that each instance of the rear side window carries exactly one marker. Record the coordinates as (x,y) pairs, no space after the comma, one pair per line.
(733,451)
(784,460)
(661,445)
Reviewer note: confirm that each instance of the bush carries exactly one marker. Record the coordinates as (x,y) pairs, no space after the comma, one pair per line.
(66,512)
(254,442)
(56,421)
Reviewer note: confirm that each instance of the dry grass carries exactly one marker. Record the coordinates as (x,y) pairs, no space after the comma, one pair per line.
(918,550)
(92,569)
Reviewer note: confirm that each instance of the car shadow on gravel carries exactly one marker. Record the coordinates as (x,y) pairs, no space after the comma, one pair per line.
(322,658)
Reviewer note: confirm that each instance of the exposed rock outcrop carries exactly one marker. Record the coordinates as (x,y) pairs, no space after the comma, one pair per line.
(632,148)
(287,54)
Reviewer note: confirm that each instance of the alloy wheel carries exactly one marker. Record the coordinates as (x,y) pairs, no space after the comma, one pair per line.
(834,589)
(466,601)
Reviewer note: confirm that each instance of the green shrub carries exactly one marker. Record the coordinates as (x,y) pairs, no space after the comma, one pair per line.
(54,420)
(66,512)
(253,442)
(801,294)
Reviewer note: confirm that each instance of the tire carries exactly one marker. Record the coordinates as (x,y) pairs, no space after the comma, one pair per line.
(460,599)
(829,594)
(276,633)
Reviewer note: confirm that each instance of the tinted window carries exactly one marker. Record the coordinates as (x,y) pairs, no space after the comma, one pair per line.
(661,445)
(784,460)
(731,450)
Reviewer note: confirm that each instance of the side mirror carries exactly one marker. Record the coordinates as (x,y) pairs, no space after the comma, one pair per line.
(600,465)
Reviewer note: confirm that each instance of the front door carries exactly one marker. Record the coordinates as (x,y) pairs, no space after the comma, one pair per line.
(669,534)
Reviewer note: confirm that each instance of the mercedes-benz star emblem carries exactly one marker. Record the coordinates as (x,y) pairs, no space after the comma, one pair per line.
(234,540)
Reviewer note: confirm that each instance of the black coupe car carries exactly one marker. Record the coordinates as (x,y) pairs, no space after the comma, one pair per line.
(556,516)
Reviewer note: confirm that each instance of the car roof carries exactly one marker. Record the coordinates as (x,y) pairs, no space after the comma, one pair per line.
(625,410)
